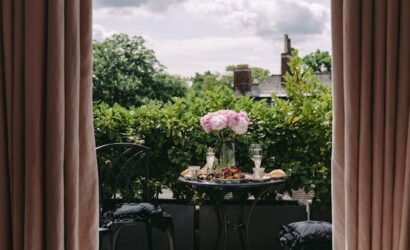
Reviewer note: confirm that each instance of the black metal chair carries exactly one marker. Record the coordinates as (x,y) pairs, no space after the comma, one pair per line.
(122,167)
(306,235)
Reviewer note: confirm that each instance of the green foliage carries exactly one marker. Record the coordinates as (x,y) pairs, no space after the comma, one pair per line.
(259,75)
(210,80)
(318,61)
(295,133)
(306,117)
(128,73)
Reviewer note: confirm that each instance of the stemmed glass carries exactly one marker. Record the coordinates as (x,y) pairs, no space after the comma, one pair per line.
(255,153)
(210,159)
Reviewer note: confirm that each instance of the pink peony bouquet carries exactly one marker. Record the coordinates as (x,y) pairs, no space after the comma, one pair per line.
(238,122)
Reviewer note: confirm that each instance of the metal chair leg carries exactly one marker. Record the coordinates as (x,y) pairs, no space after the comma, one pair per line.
(115,233)
(170,235)
(148,227)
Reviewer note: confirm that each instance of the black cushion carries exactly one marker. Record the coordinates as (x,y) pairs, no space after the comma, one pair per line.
(306,235)
(140,212)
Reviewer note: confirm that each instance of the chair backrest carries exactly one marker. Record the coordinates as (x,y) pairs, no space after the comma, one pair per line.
(122,169)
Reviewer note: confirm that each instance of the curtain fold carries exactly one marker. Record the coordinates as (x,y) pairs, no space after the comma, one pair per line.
(48,172)
(371,129)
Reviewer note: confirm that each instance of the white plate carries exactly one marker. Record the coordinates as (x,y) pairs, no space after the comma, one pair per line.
(229,181)
(251,177)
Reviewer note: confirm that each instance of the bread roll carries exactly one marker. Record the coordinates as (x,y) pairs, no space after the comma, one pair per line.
(277,173)
(185,173)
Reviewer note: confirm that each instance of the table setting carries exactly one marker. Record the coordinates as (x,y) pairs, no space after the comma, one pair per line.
(222,171)
(227,125)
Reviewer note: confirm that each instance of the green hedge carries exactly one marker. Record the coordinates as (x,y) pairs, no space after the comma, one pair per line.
(295,133)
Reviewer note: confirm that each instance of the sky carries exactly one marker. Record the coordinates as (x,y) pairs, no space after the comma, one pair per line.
(191,36)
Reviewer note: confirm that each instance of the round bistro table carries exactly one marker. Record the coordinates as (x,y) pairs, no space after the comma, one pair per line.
(262,188)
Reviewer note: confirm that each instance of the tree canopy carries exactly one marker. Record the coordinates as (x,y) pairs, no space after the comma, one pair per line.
(209,80)
(128,73)
(258,74)
(318,61)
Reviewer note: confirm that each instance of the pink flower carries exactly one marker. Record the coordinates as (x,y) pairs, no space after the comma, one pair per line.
(218,122)
(222,119)
(206,123)
(241,127)
(233,118)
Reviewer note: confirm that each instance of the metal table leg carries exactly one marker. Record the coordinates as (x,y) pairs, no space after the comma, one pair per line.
(223,223)
(248,216)
(242,226)
(220,209)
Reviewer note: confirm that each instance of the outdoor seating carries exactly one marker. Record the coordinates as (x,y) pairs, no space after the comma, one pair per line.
(121,166)
(306,235)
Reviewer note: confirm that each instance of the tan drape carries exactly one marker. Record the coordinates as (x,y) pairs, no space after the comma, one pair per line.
(371,141)
(48,174)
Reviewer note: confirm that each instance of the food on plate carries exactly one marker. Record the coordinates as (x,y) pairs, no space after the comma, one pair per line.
(231,173)
(186,173)
(210,177)
(276,173)
(192,172)
(203,176)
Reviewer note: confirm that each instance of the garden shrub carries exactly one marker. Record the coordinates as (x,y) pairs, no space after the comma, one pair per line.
(295,133)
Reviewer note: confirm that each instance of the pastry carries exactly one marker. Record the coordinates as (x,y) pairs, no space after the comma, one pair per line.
(186,173)
(277,173)
(230,174)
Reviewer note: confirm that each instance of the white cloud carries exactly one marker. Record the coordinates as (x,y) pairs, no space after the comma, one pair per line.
(151,5)
(127,13)
(100,33)
(265,18)
(191,36)
(187,56)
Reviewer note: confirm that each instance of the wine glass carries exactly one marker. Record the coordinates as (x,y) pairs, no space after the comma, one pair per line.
(210,159)
(255,153)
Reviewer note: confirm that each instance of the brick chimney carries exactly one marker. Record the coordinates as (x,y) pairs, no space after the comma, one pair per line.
(285,57)
(242,78)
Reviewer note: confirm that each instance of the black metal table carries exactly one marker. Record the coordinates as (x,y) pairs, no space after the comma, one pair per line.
(263,187)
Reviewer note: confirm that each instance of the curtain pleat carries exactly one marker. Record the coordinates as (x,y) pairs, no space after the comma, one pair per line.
(365,118)
(5,211)
(48,173)
(87,156)
(401,229)
(55,124)
(34,85)
(72,140)
(371,159)
(379,44)
(16,128)
(338,160)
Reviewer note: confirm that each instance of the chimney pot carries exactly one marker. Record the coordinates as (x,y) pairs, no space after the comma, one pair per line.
(242,79)
(285,57)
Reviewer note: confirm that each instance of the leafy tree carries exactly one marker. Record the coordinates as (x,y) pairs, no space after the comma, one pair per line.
(128,73)
(306,117)
(318,61)
(258,74)
(210,80)
(295,133)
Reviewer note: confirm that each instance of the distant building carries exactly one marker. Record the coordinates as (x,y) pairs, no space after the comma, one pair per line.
(244,85)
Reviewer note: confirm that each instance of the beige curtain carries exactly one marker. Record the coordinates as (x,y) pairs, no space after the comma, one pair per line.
(371,141)
(48,174)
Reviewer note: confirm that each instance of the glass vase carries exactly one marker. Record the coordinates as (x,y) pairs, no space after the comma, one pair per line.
(227,155)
